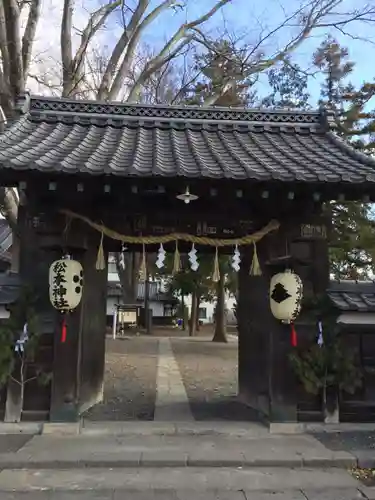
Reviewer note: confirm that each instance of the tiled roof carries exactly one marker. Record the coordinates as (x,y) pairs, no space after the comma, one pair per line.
(349,295)
(5,240)
(10,287)
(57,135)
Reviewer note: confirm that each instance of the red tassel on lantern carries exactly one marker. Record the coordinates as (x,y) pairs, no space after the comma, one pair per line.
(63,330)
(293,335)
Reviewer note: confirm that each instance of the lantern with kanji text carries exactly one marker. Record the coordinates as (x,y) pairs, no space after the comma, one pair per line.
(65,287)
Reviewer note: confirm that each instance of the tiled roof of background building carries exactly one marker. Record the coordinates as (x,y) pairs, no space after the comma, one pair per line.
(10,287)
(353,296)
(5,240)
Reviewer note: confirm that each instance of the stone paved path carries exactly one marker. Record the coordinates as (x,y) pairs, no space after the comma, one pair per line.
(180,484)
(334,494)
(170,379)
(209,373)
(172,403)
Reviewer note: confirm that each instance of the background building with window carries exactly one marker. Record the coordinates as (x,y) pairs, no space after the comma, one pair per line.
(162,304)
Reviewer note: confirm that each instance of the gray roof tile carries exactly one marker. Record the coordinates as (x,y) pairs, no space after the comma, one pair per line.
(10,287)
(5,241)
(57,135)
(349,295)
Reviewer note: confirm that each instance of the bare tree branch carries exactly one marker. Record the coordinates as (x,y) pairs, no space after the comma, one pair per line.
(132,46)
(119,49)
(170,50)
(29,35)
(4,53)
(66,48)
(314,15)
(12,29)
(96,20)
(15,380)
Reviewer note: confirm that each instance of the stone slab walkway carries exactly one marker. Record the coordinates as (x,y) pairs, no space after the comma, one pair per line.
(122,494)
(163,451)
(209,373)
(230,484)
(171,399)
(165,379)
(177,461)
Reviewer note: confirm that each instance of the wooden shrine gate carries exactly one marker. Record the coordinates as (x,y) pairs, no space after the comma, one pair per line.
(84,166)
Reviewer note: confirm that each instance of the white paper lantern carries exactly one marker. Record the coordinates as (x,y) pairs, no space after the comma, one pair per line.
(286,290)
(65,284)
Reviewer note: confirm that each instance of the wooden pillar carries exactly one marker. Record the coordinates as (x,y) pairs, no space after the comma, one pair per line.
(320,266)
(93,328)
(266,381)
(252,337)
(66,357)
(33,269)
(65,365)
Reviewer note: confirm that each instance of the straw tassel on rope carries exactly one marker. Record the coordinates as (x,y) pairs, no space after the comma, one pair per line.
(255,269)
(216,273)
(176,260)
(100,260)
(142,268)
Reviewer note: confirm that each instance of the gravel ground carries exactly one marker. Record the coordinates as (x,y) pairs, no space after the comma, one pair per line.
(209,373)
(130,380)
(348,441)
(208,370)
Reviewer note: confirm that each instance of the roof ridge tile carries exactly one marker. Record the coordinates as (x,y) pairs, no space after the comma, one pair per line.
(59,106)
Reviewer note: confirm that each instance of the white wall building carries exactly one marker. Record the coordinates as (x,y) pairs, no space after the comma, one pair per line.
(158,299)
(207,309)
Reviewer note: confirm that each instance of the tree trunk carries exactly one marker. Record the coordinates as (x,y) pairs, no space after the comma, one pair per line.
(220,334)
(183,315)
(331,405)
(136,262)
(128,276)
(15,393)
(14,402)
(198,326)
(147,299)
(193,316)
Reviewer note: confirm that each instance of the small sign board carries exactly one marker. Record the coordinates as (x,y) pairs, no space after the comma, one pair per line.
(313,231)
(127,316)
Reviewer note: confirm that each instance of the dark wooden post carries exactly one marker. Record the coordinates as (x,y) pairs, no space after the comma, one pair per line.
(33,267)
(65,365)
(320,266)
(252,336)
(66,356)
(93,327)
(265,379)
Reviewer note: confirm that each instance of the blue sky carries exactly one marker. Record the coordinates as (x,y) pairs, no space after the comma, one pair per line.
(246,19)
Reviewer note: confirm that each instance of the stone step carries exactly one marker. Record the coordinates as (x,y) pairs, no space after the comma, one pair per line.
(126,494)
(194,480)
(113,451)
(89,428)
